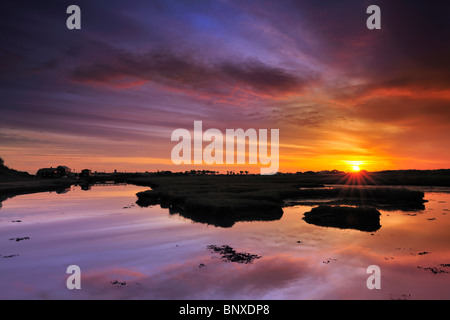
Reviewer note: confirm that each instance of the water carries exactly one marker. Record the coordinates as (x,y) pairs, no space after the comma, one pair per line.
(156,255)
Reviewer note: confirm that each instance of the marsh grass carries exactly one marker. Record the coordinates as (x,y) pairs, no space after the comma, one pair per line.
(243,198)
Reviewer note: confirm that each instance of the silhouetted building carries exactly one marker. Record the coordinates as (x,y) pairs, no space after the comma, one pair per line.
(85,173)
(60,171)
(63,171)
(47,173)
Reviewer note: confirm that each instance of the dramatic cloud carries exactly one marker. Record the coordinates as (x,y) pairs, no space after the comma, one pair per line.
(188,73)
(136,71)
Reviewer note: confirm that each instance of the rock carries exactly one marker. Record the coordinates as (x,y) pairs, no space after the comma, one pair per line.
(228,254)
(119,283)
(19,239)
(433,270)
(359,218)
(329,260)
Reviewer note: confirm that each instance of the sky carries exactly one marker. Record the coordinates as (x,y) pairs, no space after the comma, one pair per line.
(109,96)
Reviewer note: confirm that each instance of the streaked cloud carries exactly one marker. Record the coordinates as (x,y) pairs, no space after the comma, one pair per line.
(136,71)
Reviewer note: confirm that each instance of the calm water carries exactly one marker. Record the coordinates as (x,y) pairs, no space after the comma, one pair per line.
(165,256)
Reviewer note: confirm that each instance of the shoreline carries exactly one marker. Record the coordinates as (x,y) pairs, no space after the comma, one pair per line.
(34,186)
(224,200)
(12,189)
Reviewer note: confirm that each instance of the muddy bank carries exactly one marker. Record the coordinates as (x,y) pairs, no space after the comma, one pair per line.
(34,185)
(220,200)
(213,209)
(15,188)
(380,205)
(388,195)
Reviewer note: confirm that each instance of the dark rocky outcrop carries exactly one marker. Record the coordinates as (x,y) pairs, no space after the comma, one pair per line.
(359,218)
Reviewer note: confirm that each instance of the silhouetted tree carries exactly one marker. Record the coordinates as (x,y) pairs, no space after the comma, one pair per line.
(1,162)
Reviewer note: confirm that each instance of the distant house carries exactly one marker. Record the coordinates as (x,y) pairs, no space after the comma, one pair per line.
(47,173)
(85,173)
(60,171)
(63,171)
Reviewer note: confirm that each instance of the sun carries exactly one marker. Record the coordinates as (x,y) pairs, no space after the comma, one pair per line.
(355,166)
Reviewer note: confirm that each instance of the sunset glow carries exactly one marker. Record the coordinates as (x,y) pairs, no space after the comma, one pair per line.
(355,166)
(225,150)
(107,97)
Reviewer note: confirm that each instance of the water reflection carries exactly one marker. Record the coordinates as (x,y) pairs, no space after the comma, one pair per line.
(226,221)
(222,220)
(156,255)
(337,202)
